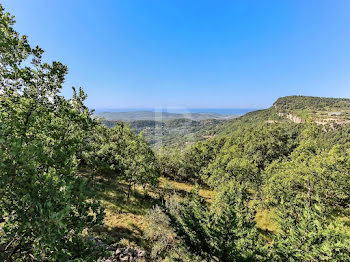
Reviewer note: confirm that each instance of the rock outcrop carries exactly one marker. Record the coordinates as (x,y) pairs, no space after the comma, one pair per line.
(125,254)
(292,117)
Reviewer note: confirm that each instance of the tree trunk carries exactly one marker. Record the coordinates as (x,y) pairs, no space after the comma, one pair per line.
(129,191)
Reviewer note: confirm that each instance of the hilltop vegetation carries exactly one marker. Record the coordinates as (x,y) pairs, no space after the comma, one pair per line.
(317,109)
(312,103)
(257,188)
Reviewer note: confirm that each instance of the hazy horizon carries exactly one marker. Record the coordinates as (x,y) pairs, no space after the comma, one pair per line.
(228,111)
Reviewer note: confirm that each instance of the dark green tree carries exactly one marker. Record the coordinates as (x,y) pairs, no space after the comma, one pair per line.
(118,153)
(310,235)
(247,152)
(223,232)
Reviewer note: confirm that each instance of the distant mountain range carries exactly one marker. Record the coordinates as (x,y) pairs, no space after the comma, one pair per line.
(161,116)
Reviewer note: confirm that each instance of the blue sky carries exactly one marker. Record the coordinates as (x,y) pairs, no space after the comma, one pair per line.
(195,54)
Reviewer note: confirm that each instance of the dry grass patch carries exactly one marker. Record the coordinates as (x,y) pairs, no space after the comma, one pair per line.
(126,220)
(266,220)
(183,188)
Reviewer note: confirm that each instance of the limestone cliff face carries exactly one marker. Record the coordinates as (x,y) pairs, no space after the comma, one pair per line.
(292,117)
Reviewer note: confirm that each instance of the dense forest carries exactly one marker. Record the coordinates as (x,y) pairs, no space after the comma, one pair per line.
(174,133)
(161,115)
(262,187)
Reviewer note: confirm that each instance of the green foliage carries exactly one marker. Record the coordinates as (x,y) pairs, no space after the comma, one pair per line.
(260,161)
(312,175)
(119,153)
(176,133)
(301,171)
(247,152)
(197,157)
(170,163)
(44,206)
(187,165)
(167,245)
(311,103)
(309,235)
(236,237)
(162,115)
(224,232)
(318,109)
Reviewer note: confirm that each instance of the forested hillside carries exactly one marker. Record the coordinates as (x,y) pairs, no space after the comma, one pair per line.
(312,103)
(160,116)
(282,192)
(328,112)
(262,187)
(320,110)
(173,133)
(182,132)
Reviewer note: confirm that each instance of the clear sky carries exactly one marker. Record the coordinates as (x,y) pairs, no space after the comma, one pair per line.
(196,54)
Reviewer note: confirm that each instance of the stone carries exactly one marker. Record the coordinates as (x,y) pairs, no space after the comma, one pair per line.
(141,253)
(123,258)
